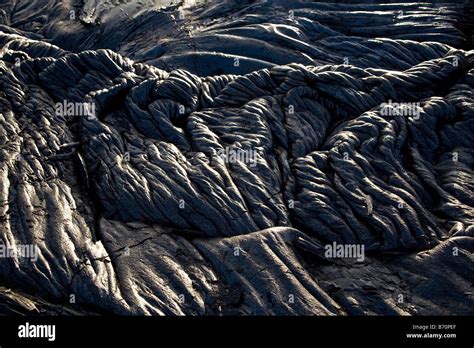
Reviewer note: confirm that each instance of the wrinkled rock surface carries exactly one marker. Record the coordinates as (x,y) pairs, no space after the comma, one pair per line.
(134,210)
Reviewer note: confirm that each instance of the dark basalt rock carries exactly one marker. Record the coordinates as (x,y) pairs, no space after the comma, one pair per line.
(138,207)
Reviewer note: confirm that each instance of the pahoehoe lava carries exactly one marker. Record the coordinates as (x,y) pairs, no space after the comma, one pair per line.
(134,210)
